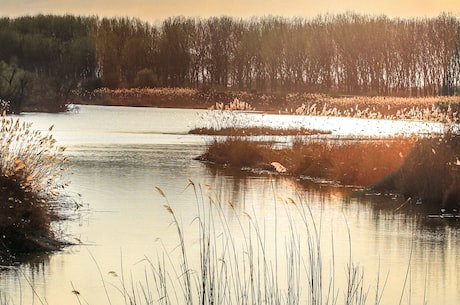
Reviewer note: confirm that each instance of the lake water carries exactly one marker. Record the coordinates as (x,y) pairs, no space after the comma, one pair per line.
(120,156)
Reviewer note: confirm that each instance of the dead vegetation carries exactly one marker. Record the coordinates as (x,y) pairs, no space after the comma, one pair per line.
(31,188)
(425,170)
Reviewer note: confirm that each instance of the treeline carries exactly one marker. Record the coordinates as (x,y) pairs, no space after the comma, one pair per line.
(43,58)
(346,54)
(352,54)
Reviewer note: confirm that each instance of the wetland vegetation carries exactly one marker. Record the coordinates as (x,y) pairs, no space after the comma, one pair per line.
(47,61)
(31,189)
(218,245)
(425,169)
(422,168)
(346,65)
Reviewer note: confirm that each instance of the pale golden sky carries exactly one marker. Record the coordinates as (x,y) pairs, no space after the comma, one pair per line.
(155,10)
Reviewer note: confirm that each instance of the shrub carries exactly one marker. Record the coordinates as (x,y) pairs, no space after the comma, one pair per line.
(235,151)
(430,172)
(350,162)
(31,185)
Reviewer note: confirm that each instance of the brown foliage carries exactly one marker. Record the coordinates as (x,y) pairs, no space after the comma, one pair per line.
(31,184)
(352,162)
(425,169)
(430,172)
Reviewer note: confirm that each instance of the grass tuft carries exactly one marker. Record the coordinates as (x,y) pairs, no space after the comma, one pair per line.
(31,187)
(350,162)
(430,173)
(422,169)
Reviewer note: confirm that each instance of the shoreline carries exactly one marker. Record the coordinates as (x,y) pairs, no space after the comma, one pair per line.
(436,109)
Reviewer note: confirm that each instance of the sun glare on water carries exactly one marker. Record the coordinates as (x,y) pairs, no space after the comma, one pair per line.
(346,126)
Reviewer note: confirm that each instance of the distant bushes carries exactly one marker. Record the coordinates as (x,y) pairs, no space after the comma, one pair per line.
(43,58)
(31,186)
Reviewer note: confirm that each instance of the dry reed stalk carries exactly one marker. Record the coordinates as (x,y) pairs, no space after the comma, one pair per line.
(31,186)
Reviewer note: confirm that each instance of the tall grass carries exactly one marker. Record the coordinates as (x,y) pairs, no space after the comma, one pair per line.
(425,169)
(4,106)
(31,186)
(235,261)
(433,109)
(430,173)
(350,162)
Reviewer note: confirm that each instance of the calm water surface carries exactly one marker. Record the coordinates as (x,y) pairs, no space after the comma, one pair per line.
(120,155)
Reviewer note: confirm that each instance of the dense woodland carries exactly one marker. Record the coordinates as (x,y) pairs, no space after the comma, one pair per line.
(44,58)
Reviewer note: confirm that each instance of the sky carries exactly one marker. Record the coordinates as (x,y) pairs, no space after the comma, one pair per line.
(157,10)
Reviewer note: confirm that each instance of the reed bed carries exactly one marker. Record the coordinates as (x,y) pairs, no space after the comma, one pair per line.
(351,162)
(228,120)
(233,261)
(169,97)
(255,131)
(424,170)
(31,188)
(430,173)
(434,109)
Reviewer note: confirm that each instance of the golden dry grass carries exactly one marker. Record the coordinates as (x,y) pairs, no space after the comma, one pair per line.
(31,185)
(362,163)
(421,169)
(434,109)
(437,108)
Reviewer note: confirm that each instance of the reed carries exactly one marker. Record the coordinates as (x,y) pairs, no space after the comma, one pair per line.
(31,188)
(237,152)
(430,173)
(349,162)
(235,262)
(4,106)
(234,105)
(434,109)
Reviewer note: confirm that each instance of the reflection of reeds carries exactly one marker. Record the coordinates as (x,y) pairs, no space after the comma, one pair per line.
(31,167)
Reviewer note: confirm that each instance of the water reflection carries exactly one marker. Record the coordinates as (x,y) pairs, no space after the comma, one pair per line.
(378,235)
(116,170)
